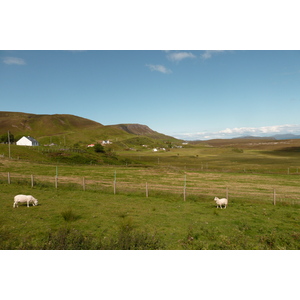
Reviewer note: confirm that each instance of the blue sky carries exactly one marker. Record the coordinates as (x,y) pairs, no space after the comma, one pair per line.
(184,93)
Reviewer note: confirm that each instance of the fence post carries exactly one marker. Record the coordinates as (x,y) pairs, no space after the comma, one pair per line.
(56,182)
(184,189)
(227,192)
(114,187)
(147,194)
(274,197)
(32,181)
(83,183)
(115,181)
(8,178)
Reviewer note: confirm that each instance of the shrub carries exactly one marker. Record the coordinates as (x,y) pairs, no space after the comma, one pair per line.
(98,148)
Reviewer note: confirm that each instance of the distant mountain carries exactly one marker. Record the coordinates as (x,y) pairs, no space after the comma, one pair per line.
(287,136)
(250,137)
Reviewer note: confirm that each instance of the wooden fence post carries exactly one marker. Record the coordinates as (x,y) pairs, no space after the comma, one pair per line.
(8,178)
(147,194)
(56,182)
(115,182)
(227,193)
(83,183)
(115,189)
(184,189)
(32,181)
(274,197)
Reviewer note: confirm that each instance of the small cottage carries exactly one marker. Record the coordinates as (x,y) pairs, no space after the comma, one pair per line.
(27,141)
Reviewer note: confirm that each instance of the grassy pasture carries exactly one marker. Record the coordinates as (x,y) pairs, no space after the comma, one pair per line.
(106,221)
(225,159)
(70,218)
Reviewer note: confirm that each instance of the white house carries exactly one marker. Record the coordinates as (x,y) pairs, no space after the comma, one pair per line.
(27,141)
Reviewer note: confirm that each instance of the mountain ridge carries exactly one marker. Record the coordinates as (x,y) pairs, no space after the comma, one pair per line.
(287,136)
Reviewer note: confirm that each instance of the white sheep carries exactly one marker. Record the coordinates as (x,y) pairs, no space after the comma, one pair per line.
(24,199)
(221,202)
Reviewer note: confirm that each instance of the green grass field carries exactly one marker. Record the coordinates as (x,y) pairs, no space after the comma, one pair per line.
(66,219)
(72,218)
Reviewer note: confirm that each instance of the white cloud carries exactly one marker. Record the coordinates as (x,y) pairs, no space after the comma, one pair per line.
(14,61)
(241,131)
(178,56)
(159,68)
(209,53)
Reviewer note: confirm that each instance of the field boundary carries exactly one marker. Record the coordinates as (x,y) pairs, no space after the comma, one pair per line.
(189,190)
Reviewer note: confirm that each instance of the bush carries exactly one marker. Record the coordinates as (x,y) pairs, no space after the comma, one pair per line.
(99,148)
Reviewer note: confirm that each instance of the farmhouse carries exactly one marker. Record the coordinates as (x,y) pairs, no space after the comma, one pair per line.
(27,141)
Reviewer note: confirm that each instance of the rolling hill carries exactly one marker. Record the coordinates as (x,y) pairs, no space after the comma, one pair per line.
(42,125)
(141,130)
(70,129)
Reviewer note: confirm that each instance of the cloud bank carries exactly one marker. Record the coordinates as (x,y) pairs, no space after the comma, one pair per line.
(159,68)
(241,131)
(209,53)
(178,56)
(13,61)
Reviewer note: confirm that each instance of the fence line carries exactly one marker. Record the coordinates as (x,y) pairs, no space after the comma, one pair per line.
(273,195)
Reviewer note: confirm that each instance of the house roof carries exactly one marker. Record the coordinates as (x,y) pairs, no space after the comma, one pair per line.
(30,138)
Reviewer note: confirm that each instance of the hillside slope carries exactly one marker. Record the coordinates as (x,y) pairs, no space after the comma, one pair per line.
(67,129)
(42,125)
(142,130)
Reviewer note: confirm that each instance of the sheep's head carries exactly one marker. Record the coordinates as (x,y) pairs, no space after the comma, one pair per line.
(216,199)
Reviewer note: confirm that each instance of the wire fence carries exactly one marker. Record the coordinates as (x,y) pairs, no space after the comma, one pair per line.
(188,190)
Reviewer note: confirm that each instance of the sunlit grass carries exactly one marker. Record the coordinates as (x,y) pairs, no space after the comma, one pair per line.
(97,218)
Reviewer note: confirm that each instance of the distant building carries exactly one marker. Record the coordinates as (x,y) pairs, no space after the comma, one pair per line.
(27,141)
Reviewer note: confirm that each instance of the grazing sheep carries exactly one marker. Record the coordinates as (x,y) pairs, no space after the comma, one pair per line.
(24,199)
(221,202)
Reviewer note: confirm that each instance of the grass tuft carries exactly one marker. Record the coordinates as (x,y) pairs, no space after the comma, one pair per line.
(69,215)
